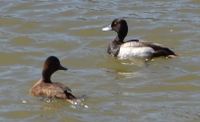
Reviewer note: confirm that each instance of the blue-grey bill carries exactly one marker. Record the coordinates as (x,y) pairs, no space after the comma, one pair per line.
(107,28)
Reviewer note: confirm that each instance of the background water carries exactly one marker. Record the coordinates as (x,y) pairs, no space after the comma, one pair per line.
(164,90)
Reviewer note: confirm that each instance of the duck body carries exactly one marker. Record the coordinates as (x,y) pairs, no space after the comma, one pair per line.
(52,90)
(133,48)
(48,89)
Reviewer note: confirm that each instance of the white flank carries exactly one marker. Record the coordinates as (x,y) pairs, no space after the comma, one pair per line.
(135,49)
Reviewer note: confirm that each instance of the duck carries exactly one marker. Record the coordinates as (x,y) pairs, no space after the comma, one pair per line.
(135,47)
(52,90)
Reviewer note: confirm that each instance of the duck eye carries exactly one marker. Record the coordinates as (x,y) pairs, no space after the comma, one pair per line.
(115,23)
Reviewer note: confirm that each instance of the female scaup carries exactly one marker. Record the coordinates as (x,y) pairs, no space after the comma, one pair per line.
(133,48)
(46,88)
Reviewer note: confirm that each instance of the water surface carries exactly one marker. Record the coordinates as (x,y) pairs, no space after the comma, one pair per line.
(163,90)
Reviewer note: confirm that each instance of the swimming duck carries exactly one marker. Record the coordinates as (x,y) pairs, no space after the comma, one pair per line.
(48,89)
(133,48)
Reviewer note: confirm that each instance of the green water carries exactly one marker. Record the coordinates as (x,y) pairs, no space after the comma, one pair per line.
(164,90)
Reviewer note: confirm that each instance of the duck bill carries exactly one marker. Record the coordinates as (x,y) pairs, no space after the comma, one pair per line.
(109,28)
(62,68)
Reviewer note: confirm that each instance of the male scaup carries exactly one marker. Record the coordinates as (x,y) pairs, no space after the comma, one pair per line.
(48,89)
(133,48)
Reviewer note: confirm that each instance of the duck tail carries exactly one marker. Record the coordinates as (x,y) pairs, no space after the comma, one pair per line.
(70,95)
(167,53)
(71,98)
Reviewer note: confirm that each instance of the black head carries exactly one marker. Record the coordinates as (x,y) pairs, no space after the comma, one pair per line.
(118,25)
(51,65)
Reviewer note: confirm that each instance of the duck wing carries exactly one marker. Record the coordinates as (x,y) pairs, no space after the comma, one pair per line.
(159,49)
(63,92)
(52,90)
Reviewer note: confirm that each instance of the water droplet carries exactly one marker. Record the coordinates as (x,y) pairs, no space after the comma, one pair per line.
(23,101)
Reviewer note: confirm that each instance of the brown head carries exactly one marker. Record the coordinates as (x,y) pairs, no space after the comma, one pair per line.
(51,65)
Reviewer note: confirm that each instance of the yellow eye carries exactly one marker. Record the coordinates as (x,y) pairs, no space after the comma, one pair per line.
(115,23)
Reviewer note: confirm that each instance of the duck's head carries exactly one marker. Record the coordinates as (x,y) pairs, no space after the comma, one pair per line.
(119,25)
(51,65)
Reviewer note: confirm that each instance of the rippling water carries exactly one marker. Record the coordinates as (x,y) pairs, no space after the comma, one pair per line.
(164,90)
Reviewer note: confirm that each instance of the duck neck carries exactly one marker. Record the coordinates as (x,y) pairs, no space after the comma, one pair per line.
(118,41)
(122,34)
(46,76)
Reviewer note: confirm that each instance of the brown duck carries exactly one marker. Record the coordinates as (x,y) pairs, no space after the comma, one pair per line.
(48,89)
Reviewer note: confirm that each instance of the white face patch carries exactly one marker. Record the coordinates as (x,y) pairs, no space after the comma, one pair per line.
(135,49)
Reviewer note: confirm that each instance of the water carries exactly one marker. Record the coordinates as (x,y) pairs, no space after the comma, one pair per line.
(164,90)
